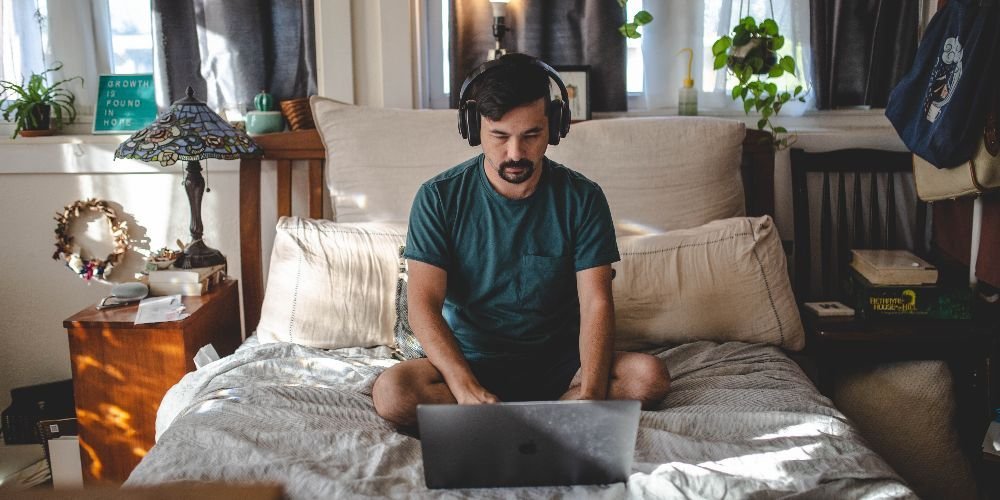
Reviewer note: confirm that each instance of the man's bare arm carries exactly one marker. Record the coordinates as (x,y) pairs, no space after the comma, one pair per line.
(597,331)
(425,293)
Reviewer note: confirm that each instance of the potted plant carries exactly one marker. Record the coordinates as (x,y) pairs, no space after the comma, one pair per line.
(751,54)
(34,107)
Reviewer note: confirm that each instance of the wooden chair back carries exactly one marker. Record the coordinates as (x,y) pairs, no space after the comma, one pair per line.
(864,216)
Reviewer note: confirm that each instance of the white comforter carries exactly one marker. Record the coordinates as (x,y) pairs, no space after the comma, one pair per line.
(740,421)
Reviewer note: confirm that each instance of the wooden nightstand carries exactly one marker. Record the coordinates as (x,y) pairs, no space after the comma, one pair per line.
(122,370)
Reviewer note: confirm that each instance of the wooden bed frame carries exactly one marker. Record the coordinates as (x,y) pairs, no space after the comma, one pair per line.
(305,145)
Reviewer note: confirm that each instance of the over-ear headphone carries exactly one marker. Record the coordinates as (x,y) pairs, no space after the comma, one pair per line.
(468,109)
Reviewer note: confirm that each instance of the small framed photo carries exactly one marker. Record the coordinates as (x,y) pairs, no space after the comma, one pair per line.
(577,81)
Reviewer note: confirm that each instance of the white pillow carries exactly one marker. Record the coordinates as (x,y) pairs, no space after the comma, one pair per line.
(332,285)
(724,281)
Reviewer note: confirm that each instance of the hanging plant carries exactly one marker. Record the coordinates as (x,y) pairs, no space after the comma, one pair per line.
(751,54)
(641,18)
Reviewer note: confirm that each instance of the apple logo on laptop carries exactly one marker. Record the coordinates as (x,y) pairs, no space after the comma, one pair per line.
(528,448)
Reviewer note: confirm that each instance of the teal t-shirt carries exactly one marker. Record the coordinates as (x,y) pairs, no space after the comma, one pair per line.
(511,264)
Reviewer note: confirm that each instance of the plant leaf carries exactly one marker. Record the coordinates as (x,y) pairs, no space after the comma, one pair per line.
(775,71)
(770,27)
(780,130)
(721,45)
(761,123)
(643,17)
(798,90)
(737,92)
(788,64)
(771,88)
(720,61)
(747,104)
(749,23)
(628,30)
(777,42)
(740,38)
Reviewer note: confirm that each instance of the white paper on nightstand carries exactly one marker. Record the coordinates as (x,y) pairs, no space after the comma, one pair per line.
(64,458)
(160,309)
(991,443)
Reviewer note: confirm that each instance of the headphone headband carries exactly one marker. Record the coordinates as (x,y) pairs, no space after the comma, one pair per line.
(468,111)
(513,58)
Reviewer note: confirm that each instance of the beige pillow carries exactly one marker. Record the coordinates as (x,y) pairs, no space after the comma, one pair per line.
(332,285)
(377,158)
(659,173)
(724,281)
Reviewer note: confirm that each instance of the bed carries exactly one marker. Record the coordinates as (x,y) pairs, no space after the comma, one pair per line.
(293,404)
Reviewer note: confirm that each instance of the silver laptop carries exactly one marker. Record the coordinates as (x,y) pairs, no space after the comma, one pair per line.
(527,444)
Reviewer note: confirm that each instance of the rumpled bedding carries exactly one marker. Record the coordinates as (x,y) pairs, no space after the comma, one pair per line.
(741,420)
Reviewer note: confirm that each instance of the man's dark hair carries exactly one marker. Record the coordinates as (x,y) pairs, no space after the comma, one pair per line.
(508,86)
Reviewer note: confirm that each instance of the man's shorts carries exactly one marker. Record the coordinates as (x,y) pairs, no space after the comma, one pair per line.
(539,378)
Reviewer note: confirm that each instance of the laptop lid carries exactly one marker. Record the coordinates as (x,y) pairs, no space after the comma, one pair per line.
(527,444)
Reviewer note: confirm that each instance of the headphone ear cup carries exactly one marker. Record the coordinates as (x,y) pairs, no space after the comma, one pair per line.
(463,126)
(567,118)
(472,122)
(555,115)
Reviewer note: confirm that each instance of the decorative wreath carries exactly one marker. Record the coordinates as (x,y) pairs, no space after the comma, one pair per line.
(93,267)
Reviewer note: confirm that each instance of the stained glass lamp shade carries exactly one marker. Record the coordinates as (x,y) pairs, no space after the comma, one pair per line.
(190,131)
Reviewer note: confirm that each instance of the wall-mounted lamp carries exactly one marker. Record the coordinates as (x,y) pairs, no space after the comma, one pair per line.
(499,28)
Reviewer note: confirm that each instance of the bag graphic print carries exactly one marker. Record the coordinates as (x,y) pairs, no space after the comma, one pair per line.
(939,107)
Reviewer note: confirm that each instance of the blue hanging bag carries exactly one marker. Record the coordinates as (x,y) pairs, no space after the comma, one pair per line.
(939,107)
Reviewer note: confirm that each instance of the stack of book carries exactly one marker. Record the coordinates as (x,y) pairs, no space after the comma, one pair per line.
(899,284)
(194,281)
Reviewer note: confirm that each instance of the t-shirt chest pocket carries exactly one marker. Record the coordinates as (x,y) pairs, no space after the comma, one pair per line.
(544,280)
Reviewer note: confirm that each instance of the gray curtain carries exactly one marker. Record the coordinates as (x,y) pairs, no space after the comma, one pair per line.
(861,49)
(560,32)
(229,50)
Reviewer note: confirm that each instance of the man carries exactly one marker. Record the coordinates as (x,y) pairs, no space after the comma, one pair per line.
(510,256)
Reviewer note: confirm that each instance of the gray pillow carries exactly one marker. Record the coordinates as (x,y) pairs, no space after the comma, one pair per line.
(407,345)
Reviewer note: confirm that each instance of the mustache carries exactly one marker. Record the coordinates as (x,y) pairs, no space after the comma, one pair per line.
(522,163)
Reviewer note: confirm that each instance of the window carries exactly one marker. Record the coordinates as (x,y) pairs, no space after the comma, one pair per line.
(633,64)
(131,36)
(436,79)
(34,37)
(23,38)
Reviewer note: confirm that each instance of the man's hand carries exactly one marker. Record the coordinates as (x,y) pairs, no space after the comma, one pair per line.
(474,394)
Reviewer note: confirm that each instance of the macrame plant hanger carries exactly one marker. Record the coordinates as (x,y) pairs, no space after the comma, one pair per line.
(770,3)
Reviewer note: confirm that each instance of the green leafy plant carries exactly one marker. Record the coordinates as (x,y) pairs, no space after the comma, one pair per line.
(25,103)
(641,18)
(751,56)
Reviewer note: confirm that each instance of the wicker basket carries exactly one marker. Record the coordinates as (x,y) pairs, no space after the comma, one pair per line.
(298,114)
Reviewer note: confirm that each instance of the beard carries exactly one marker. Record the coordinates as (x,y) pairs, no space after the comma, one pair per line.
(527,169)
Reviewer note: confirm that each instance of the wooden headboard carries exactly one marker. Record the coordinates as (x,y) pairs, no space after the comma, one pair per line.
(305,145)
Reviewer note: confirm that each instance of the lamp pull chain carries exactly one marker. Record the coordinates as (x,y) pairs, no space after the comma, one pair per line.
(208,189)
